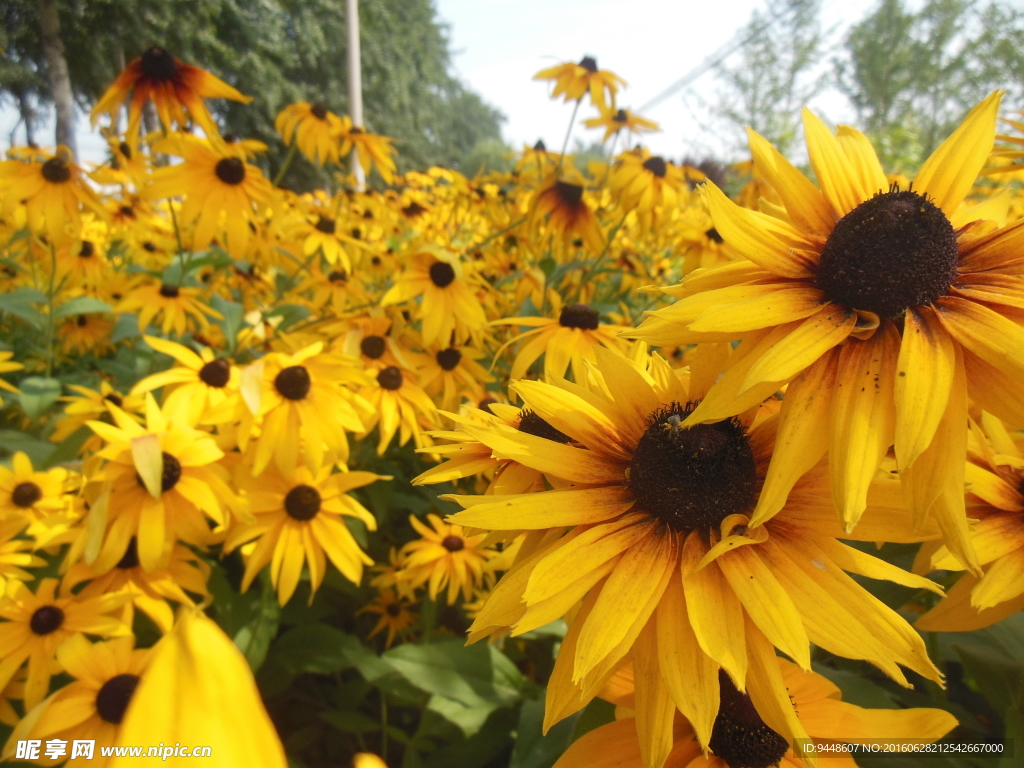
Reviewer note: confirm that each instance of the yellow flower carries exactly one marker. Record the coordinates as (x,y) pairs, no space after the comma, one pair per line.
(323,237)
(14,554)
(560,204)
(177,305)
(373,150)
(614,120)
(643,181)
(6,366)
(574,81)
(398,404)
(27,494)
(394,613)
(298,518)
(93,404)
(444,556)
(37,624)
(86,333)
(315,129)
(898,304)
(199,690)
(448,374)
(106,675)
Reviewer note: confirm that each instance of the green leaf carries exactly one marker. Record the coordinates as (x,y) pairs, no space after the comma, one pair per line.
(470,718)
(999,676)
(19,303)
(38,450)
(597,713)
(315,648)
(347,721)
(533,749)
(233,313)
(127,327)
(858,689)
(68,449)
(38,393)
(83,305)
(253,639)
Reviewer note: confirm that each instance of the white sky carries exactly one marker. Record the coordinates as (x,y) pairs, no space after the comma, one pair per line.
(498,45)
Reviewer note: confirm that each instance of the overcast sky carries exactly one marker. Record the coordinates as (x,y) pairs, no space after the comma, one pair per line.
(498,46)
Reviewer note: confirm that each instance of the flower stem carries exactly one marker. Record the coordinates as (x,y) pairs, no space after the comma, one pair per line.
(49,312)
(572,122)
(286,164)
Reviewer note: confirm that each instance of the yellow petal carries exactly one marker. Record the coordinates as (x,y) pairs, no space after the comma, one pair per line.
(863,160)
(149,462)
(839,182)
(768,690)
(552,509)
(784,305)
(655,710)
(991,336)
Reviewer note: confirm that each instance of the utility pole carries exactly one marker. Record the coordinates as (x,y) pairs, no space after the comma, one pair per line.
(355,86)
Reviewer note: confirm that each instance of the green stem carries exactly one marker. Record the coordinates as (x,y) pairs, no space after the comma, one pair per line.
(491,238)
(565,144)
(611,158)
(588,276)
(286,164)
(49,313)
(383,727)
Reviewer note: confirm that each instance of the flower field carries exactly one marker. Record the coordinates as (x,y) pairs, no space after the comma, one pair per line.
(624,463)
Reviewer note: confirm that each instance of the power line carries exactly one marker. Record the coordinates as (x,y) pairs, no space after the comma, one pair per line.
(715,58)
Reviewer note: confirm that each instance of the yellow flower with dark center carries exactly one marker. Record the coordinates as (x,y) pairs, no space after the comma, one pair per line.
(898,304)
(574,81)
(614,120)
(299,518)
(451,373)
(444,556)
(742,736)
(323,237)
(52,190)
(93,705)
(643,181)
(151,592)
(315,129)
(395,616)
(336,289)
(179,307)
(37,624)
(82,334)
(14,552)
(655,536)
(377,341)
(560,205)
(27,494)
(398,405)
(173,86)
(93,404)
(201,384)
(219,189)
(306,408)
(159,483)
(6,366)
(995,500)
(373,150)
(449,304)
(568,340)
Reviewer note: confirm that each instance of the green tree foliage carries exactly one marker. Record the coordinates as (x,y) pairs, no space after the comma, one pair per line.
(913,74)
(278,51)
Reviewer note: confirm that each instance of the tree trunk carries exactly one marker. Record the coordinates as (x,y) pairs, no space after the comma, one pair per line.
(57,70)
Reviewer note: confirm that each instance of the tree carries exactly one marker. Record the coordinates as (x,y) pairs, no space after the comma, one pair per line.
(912,75)
(774,74)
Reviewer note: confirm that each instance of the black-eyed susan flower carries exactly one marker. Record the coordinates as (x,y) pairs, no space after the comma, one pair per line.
(37,624)
(995,501)
(574,81)
(449,374)
(560,205)
(444,556)
(655,537)
(323,237)
(28,494)
(82,334)
(314,128)
(200,384)
(376,341)
(92,706)
(568,340)
(15,556)
(643,181)
(398,405)
(159,483)
(173,86)
(742,736)
(177,307)
(53,190)
(219,189)
(448,304)
(336,289)
(374,151)
(199,690)
(900,303)
(394,612)
(306,408)
(89,404)
(614,120)
(299,518)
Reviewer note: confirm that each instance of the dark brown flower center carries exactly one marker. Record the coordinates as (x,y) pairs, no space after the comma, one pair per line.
(695,477)
(130,559)
(442,274)
(230,170)
(657,166)
(302,502)
(540,146)
(338,276)
(390,378)
(158,64)
(169,291)
(82,321)
(325,224)
(373,346)
(56,171)
(486,403)
(113,698)
(571,194)
(579,316)
(740,737)
(216,373)
(589,63)
(127,210)
(319,110)
(47,619)
(114,398)
(621,116)
(87,249)
(414,209)
(449,358)
(393,610)
(453,543)
(293,382)
(532,424)
(125,149)
(26,494)
(169,475)
(713,236)
(894,251)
